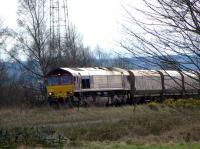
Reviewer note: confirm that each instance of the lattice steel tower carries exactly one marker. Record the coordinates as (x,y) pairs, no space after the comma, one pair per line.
(59,22)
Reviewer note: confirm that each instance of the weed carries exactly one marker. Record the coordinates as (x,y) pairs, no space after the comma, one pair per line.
(153,105)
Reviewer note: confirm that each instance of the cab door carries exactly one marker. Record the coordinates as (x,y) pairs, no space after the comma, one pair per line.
(78,82)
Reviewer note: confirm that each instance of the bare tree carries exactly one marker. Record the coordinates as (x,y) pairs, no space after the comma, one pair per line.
(167,28)
(31,42)
(3,39)
(33,35)
(4,66)
(103,58)
(166,33)
(121,62)
(74,53)
(36,44)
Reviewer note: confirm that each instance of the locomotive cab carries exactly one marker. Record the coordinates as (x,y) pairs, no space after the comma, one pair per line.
(60,84)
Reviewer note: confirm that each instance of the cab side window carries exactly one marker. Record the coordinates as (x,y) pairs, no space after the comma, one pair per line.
(85,83)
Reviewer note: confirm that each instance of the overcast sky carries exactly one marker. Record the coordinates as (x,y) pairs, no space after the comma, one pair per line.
(97,20)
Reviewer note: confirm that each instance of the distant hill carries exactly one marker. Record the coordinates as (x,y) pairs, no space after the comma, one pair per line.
(150,63)
(156,63)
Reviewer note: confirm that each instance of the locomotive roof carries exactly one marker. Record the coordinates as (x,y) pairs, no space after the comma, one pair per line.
(89,71)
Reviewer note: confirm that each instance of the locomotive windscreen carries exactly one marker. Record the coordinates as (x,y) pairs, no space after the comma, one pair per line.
(53,80)
(59,80)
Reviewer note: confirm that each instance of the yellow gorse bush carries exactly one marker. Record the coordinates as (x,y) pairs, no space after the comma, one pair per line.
(185,103)
(153,105)
(169,102)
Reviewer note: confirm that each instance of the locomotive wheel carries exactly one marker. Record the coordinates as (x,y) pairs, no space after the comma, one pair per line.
(83,102)
(53,103)
(70,102)
(74,101)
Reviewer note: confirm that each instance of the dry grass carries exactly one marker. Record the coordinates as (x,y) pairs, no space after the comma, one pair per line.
(122,145)
(144,125)
(15,117)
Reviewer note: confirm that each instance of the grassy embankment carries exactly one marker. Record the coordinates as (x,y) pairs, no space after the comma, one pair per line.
(126,146)
(152,124)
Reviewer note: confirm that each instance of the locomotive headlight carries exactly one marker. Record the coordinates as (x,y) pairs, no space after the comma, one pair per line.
(50,93)
(69,93)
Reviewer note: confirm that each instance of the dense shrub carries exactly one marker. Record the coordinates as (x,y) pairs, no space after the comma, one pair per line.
(45,136)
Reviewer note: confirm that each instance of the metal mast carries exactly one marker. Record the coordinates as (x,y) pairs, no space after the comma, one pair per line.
(59,22)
